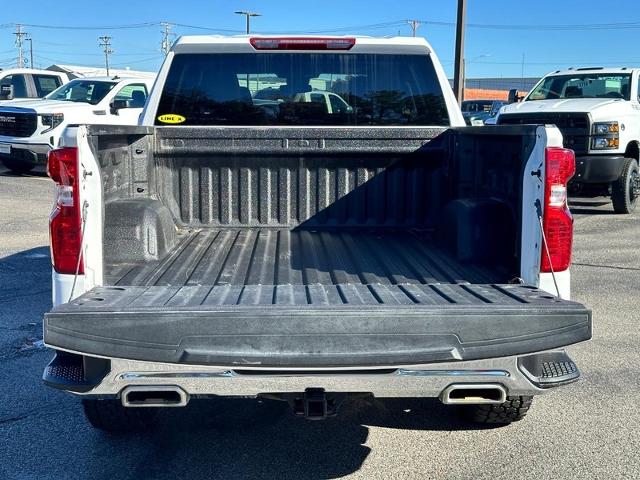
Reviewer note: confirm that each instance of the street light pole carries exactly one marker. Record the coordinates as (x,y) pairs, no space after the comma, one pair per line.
(248,16)
(30,40)
(458,76)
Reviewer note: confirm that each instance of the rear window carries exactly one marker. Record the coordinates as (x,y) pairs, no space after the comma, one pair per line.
(45,84)
(331,89)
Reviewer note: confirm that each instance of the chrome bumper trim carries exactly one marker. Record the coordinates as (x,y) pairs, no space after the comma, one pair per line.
(405,381)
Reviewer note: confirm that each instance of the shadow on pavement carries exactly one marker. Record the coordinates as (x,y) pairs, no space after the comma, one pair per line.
(246,438)
(38,171)
(25,273)
(590,211)
(595,206)
(216,438)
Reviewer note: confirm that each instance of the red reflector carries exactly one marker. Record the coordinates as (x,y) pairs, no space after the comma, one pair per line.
(558,230)
(61,163)
(65,222)
(560,165)
(301,43)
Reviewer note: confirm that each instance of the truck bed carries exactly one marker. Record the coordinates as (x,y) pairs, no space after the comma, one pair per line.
(241,257)
(311,299)
(303,248)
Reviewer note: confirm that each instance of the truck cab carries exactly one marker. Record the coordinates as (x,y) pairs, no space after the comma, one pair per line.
(30,128)
(21,83)
(598,112)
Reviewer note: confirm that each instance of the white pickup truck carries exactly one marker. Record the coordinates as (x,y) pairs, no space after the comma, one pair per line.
(20,83)
(30,128)
(598,112)
(234,247)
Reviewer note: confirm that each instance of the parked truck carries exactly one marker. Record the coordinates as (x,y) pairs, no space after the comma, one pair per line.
(21,83)
(597,110)
(30,128)
(290,252)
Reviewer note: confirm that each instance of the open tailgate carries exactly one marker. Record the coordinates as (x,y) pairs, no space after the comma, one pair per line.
(344,325)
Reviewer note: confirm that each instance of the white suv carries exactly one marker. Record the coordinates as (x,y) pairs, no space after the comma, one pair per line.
(598,112)
(29,128)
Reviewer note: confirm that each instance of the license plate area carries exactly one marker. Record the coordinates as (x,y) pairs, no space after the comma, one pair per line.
(5,149)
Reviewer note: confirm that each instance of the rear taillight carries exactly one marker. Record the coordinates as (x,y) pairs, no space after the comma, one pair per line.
(560,165)
(65,222)
(301,43)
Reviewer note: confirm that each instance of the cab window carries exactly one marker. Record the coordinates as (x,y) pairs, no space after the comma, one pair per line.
(286,88)
(135,95)
(18,83)
(45,84)
(337,104)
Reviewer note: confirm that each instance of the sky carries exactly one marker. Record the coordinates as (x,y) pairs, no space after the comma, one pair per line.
(504,38)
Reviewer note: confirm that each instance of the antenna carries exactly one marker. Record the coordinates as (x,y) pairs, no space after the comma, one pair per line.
(20,37)
(167,35)
(105,43)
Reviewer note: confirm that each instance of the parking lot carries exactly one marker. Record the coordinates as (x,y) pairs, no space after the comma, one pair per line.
(586,430)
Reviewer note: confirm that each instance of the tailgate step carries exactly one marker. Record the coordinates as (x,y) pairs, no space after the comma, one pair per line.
(549,369)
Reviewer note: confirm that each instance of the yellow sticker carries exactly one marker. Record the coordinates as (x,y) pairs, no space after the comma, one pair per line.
(171,118)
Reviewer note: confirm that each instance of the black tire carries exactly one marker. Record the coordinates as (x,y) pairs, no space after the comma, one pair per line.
(18,166)
(513,410)
(626,190)
(111,416)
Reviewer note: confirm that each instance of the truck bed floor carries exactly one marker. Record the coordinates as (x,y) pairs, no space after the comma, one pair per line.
(240,257)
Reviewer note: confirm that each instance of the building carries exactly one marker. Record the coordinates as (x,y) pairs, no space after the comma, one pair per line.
(496,88)
(75,71)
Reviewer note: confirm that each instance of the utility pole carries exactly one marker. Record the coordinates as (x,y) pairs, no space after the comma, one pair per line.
(415,24)
(30,40)
(167,35)
(20,36)
(248,16)
(458,75)
(105,43)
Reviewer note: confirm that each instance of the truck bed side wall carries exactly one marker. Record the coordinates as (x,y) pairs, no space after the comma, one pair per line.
(461,184)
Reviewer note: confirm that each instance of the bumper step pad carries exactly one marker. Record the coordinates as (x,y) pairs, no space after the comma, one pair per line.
(549,369)
(75,373)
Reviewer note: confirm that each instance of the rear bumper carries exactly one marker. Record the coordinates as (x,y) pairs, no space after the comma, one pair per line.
(524,375)
(30,153)
(598,168)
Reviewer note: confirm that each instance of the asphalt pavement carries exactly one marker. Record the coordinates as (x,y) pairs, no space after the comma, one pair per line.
(587,430)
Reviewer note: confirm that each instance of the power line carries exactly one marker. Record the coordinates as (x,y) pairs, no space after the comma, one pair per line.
(208,29)
(136,62)
(587,26)
(395,23)
(84,27)
(94,54)
(575,26)
(105,43)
